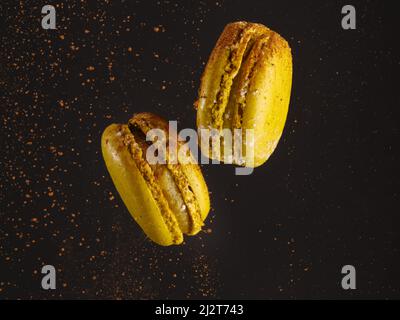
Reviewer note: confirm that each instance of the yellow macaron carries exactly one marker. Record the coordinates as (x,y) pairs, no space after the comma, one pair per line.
(246,85)
(167,200)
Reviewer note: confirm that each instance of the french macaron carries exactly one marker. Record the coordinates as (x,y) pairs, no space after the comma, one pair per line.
(246,84)
(167,199)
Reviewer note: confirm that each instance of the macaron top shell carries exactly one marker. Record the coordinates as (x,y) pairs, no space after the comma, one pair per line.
(264,80)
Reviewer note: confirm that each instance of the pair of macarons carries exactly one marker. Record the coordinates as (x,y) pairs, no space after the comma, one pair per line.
(246,85)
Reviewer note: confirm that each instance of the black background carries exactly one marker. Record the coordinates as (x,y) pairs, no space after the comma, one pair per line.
(329,195)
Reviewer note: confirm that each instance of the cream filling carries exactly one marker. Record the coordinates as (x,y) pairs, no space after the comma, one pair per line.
(237,54)
(173,197)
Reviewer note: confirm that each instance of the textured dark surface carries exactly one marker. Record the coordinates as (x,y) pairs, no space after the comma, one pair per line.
(329,195)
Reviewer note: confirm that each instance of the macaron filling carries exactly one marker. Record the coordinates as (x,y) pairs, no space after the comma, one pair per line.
(242,82)
(238,51)
(174,185)
(136,146)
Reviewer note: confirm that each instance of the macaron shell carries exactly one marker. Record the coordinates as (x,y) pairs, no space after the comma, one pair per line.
(133,188)
(267,99)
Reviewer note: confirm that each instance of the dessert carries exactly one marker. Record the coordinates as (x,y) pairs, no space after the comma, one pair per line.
(246,85)
(166,199)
